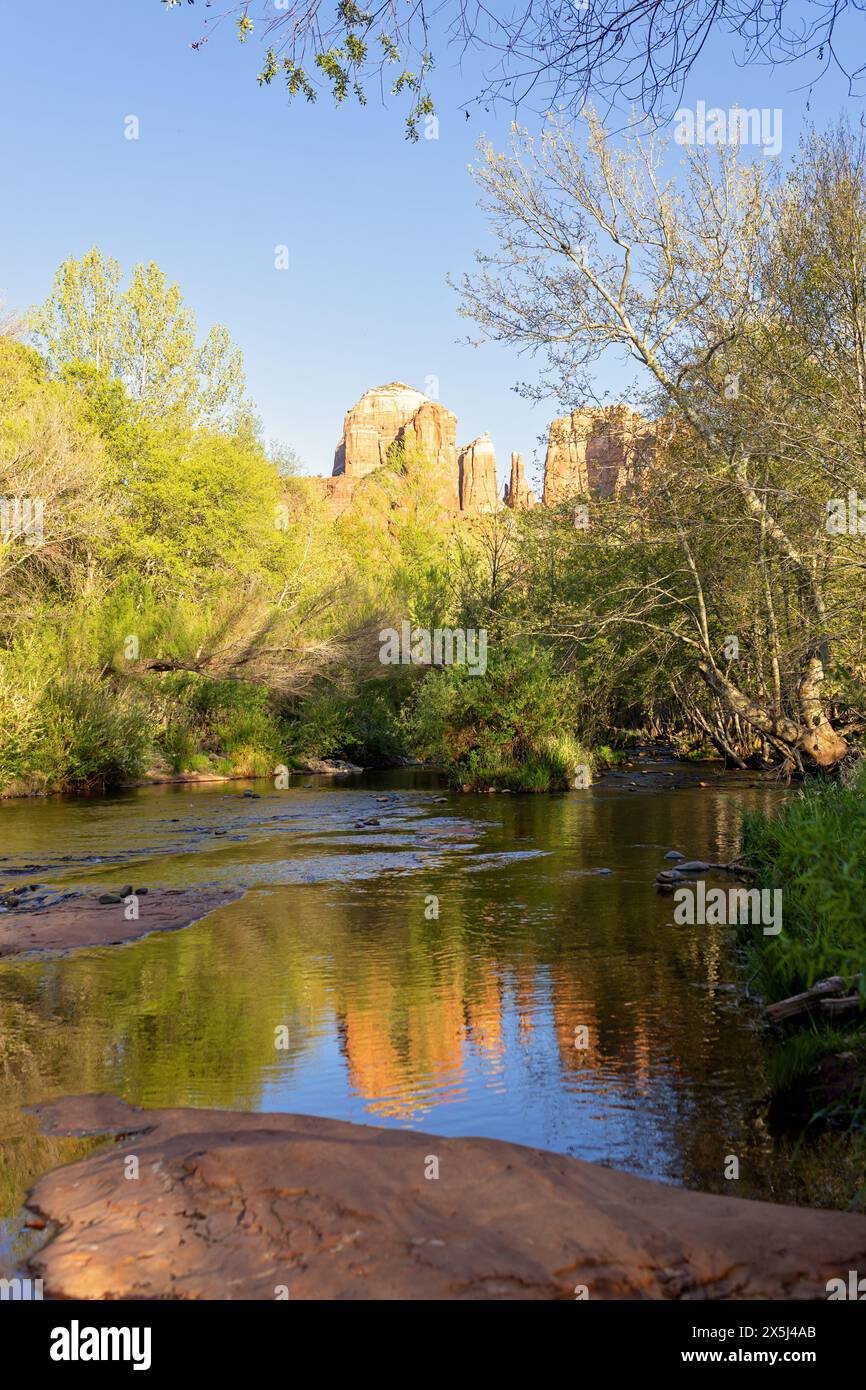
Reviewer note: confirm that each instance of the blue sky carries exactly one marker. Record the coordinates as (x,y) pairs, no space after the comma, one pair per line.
(225,171)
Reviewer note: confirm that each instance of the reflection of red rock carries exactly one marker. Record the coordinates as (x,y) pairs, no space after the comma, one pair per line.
(628,1065)
(484,1015)
(595,452)
(403,1058)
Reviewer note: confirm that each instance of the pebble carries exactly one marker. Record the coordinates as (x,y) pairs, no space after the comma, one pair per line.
(674,854)
(109,898)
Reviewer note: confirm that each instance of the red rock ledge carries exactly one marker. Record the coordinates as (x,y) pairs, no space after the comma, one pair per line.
(82,921)
(233,1206)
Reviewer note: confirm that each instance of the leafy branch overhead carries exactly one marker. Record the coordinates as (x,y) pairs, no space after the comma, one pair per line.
(541,54)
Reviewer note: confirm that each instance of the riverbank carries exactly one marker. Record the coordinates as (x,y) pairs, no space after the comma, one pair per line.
(231,1206)
(812,851)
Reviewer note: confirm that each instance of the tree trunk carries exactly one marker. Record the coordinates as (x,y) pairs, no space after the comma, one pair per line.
(814,739)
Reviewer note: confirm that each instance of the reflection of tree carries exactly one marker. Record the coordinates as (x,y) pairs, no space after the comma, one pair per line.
(515,959)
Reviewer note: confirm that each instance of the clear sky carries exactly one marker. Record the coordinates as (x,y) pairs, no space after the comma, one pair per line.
(224,171)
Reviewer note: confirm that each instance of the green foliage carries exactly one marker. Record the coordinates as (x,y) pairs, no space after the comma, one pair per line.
(339,49)
(360,722)
(94,736)
(196,508)
(509,728)
(797,1056)
(814,849)
(143,336)
(62,728)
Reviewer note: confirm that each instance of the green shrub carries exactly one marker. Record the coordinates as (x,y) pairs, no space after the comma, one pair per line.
(509,728)
(177,743)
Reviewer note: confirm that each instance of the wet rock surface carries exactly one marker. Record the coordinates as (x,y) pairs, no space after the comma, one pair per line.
(237,1205)
(50,924)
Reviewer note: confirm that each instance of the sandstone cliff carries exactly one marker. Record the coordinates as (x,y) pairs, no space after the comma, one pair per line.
(594,452)
(479,491)
(518,495)
(397,413)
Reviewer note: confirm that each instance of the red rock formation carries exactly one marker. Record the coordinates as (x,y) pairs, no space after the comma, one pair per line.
(397,413)
(479,491)
(518,494)
(591,452)
(594,451)
(239,1205)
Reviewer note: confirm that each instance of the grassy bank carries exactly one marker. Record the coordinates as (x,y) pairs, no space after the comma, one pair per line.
(814,850)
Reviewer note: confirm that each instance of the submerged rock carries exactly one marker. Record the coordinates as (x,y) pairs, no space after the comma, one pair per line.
(74,921)
(239,1205)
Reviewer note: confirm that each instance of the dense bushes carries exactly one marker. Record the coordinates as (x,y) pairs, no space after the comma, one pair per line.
(510,728)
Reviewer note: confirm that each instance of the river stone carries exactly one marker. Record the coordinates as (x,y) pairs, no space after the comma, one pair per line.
(674,854)
(232,1205)
(694,866)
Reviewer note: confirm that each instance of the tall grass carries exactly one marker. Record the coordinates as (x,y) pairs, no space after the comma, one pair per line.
(814,850)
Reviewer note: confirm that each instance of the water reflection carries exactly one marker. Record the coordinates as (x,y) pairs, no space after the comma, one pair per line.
(461,1023)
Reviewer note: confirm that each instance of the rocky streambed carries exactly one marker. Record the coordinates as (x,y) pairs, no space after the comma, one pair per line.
(372,969)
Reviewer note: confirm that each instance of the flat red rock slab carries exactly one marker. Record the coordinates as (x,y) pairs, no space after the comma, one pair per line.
(82,921)
(233,1206)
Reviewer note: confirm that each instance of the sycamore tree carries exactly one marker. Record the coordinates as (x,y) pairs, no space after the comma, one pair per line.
(739,294)
(144,336)
(536,54)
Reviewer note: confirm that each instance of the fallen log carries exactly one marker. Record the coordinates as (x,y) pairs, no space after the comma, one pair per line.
(850,1004)
(810,998)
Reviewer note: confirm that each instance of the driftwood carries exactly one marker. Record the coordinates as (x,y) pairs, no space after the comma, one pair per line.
(824,994)
(850,1004)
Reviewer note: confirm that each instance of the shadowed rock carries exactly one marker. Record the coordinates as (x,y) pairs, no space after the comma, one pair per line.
(241,1205)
